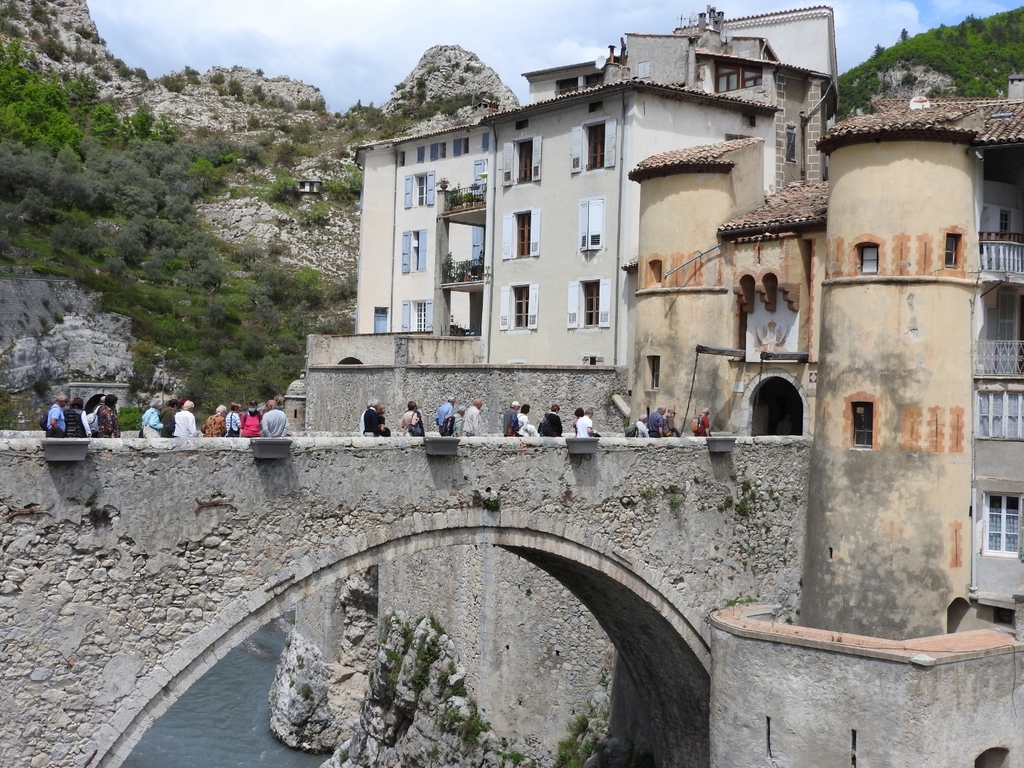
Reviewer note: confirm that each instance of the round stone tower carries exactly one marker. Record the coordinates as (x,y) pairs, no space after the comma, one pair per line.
(888,533)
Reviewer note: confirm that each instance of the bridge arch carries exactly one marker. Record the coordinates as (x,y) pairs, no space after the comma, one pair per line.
(660,646)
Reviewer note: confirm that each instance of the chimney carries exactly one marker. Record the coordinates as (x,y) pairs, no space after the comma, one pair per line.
(1015,87)
(691,62)
(702,22)
(611,54)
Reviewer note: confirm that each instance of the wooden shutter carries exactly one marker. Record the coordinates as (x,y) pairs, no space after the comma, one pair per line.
(429,316)
(478,244)
(595,229)
(503,318)
(408,191)
(479,166)
(577,149)
(536,158)
(604,304)
(457,148)
(421,257)
(406,250)
(508,171)
(508,229)
(609,144)
(572,319)
(584,224)
(406,315)
(531,312)
(535,232)
(430,187)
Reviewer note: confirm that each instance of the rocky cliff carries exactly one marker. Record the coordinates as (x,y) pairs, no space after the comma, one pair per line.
(417,709)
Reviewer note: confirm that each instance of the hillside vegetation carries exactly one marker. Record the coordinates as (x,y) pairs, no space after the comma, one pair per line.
(111,202)
(973,58)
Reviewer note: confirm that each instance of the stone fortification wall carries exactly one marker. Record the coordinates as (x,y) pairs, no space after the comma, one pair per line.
(337,395)
(118,589)
(813,697)
(393,349)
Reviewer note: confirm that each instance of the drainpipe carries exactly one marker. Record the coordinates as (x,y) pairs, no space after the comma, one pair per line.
(618,230)
(492,196)
(394,233)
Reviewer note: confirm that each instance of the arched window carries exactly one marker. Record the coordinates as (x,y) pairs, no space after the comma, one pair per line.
(654,271)
(771,291)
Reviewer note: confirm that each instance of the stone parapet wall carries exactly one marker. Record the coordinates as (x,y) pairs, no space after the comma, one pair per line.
(337,395)
(795,696)
(123,578)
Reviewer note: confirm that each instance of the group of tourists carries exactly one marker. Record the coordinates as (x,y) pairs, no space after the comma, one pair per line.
(455,420)
(661,423)
(173,418)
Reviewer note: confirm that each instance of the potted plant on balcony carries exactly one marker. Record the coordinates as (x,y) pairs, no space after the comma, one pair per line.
(442,184)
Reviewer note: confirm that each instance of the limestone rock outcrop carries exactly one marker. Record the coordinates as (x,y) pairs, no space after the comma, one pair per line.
(300,712)
(417,709)
(444,73)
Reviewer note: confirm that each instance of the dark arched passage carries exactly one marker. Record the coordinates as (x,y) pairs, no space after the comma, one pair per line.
(778,409)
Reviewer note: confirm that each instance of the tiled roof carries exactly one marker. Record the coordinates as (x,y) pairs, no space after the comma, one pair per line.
(473,123)
(668,89)
(704,157)
(779,13)
(954,121)
(796,205)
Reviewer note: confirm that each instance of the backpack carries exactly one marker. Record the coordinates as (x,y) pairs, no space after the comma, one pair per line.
(633,430)
(695,425)
(447,428)
(93,420)
(416,426)
(44,423)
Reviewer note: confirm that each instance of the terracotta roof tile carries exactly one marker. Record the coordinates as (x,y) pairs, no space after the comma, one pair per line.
(796,205)
(701,157)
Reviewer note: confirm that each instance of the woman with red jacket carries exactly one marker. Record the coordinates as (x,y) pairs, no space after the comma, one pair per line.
(251,421)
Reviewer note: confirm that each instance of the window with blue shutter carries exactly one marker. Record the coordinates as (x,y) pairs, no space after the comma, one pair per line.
(430,188)
(479,167)
(433,151)
(457,148)
(421,256)
(420,154)
(406,250)
(485,142)
(406,315)
(408,191)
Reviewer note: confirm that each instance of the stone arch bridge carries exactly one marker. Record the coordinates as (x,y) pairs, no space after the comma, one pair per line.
(126,576)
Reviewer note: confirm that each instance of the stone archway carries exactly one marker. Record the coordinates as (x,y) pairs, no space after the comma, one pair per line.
(771,397)
(660,647)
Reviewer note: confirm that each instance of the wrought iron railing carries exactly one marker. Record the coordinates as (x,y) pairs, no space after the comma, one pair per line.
(471,271)
(1000,358)
(1001,251)
(465,198)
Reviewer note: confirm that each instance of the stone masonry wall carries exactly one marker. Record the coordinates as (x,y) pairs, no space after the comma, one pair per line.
(118,588)
(337,395)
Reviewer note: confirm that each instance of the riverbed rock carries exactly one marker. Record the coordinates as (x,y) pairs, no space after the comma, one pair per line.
(300,712)
(417,710)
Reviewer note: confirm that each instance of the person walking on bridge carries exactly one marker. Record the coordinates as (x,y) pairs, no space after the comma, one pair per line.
(472,423)
(55,424)
(275,422)
(446,411)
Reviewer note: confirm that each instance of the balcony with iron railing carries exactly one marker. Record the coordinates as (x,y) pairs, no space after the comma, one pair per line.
(999,358)
(463,275)
(466,205)
(1002,252)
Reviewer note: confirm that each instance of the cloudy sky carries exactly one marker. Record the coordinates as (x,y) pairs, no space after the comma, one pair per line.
(360,50)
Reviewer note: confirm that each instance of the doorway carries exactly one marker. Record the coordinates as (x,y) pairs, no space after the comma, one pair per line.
(777,409)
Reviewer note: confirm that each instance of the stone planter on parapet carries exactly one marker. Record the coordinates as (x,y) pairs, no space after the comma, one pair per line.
(66,449)
(271,447)
(720,444)
(581,445)
(436,445)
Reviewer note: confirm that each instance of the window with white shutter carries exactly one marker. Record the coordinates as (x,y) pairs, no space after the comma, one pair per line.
(508,167)
(535,232)
(507,232)
(609,144)
(577,149)
(531,319)
(572,319)
(430,188)
(592,224)
(605,305)
(536,158)
(506,294)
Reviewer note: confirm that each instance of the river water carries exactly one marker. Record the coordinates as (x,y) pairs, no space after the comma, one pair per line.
(223,720)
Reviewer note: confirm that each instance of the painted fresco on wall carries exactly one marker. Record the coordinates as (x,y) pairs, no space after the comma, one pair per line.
(776,331)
